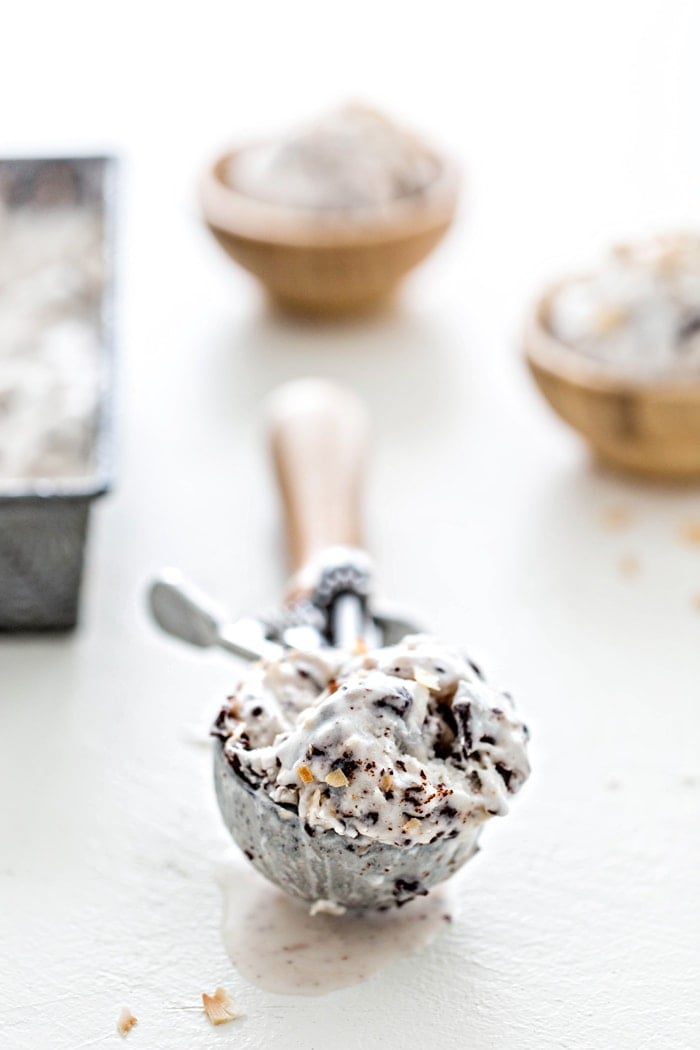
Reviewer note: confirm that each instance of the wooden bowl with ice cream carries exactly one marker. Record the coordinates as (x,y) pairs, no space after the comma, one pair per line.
(646,421)
(330,227)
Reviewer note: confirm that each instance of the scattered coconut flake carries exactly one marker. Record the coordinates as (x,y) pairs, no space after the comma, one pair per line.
(337,779)
(126,1021)
(322,907)
(411,825)
(690,532)
(218,1007)
(386,782)
(430,681)
(305,774)
(629,566)
(616,517)
(360,647)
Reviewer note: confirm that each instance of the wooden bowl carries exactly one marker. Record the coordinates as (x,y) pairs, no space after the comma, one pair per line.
(320,264)
(649,426)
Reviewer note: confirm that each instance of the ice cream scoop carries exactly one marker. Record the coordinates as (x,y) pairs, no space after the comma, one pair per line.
(363,780)
(353,775)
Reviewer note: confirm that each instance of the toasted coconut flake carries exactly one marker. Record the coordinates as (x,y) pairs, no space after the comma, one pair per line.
(218,1007)
(629,566)
(411,826)
(126,1021)
(608,318)
(690,533)
(337,779)
(360,647)
(430,681)
(305,774)
(386,782)
(616,516)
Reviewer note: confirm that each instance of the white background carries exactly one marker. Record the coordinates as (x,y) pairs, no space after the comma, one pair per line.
(579,926)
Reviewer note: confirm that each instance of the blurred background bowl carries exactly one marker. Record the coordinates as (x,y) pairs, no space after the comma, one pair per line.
(324,265)
(649,426)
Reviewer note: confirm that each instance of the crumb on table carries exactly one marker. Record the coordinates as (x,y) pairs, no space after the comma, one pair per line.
(126,1021)
(690,532)
(629,566)
(218,1007)
(616,517)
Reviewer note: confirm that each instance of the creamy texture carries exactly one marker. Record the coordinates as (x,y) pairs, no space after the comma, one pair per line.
(404,745)
(51,283)
(352,158)
(640,311)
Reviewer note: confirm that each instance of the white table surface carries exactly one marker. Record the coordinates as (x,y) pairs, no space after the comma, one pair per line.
(579,922)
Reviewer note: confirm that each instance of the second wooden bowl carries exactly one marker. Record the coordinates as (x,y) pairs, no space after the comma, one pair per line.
(645,425)
(327,265)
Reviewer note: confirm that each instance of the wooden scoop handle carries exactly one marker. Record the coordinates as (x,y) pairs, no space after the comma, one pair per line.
(318,432)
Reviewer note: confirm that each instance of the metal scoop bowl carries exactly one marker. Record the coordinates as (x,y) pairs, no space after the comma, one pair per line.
(325,866)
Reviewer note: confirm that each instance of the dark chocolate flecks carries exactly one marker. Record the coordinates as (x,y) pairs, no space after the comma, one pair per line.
(448,717)
(462,713)
(405,890)
(505,774)
(219,728)
(399,701)
(689,328)
(346,763)
(242,771)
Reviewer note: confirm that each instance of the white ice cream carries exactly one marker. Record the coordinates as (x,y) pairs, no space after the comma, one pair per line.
(352,158)
(403,745)
(50,289)
(639,311)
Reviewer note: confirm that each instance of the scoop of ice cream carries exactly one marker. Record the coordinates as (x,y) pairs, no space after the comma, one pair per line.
(352,158)
(639,311)
(402,746)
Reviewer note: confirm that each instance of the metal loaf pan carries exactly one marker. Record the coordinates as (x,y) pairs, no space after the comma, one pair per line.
(44,524)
